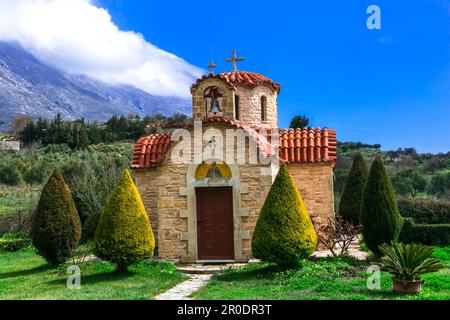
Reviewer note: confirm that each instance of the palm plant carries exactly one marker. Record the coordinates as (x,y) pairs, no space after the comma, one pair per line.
(408,261)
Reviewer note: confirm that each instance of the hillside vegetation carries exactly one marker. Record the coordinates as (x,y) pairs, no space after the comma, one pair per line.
(91,175)
(412,174)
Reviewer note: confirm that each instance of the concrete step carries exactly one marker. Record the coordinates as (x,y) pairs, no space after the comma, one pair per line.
(207,268)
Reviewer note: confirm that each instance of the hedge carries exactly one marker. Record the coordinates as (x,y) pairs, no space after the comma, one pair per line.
(14,241)
(428,234)
(425,211)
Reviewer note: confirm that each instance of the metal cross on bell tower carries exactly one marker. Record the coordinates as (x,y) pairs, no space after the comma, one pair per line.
(211,67)
(235,59)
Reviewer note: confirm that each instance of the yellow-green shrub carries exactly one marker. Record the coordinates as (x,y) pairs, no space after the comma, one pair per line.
(124,235)
(284,233)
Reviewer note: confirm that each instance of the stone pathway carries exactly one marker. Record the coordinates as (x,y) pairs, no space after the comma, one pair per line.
(200,274)
(183,290)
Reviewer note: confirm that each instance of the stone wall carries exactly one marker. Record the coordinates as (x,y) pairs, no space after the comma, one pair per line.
(159,188)
(258,187)
(315,184)
(10,145)
(250,106)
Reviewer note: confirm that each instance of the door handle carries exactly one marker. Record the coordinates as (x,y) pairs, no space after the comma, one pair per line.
(199,221)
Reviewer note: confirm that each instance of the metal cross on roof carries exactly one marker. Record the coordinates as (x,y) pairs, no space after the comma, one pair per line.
(235,59)
(211,67)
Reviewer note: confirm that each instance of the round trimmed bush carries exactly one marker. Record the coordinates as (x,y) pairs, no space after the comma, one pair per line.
(380,217)
(284,233)
(124,235)
(56,227)
(350,204)
(10,174)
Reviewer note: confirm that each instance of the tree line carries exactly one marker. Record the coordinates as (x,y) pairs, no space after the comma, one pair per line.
(79,134)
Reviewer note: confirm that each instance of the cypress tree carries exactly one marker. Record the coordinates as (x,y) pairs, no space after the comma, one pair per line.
(284,233)
(380,217)
(124,235)
(351,199)
(56,227)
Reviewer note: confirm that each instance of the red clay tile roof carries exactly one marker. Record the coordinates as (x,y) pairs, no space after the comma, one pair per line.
(308,145)
(296,145)
(150,151)
(245,78)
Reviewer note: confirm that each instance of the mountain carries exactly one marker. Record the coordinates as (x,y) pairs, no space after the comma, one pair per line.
(28,86)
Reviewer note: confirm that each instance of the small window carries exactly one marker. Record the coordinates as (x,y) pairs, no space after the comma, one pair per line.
(237,113)
(263,108)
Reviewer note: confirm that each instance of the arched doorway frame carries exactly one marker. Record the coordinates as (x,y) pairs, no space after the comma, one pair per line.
(191,212)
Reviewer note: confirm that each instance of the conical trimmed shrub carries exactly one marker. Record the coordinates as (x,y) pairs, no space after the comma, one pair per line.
(380,217)
(284,233)
(351,199)
(56,227)
(124,235)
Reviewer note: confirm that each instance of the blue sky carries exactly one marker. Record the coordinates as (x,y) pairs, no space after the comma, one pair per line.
(388,86)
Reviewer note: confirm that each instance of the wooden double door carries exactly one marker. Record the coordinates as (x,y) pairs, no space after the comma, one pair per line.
(215,230)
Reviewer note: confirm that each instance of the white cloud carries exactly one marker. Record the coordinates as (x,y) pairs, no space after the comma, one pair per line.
(78,37)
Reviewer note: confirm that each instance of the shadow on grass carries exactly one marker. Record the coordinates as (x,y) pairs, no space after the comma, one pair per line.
(351,261)
(379,294)
(22,273)
(249,273)
(97,278)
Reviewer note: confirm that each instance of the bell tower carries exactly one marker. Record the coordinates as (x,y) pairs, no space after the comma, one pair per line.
(248,97)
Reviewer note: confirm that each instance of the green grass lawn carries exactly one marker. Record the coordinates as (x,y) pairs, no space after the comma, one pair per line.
(322,279)
(25,275)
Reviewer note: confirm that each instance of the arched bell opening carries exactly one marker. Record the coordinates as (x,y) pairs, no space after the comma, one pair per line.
(213,101)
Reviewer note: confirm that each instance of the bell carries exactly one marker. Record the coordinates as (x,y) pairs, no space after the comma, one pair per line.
(214,106)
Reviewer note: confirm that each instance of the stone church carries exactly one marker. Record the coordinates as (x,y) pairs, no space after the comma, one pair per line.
(205,208)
